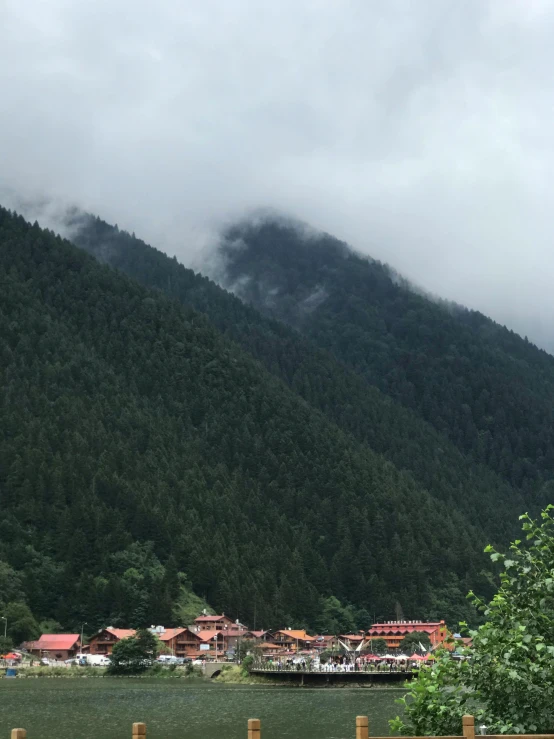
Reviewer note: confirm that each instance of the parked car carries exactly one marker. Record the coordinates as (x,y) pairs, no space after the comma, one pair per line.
(168,659)
(98,660)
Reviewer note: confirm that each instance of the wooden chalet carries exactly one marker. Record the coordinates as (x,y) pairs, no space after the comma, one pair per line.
(103,641)
(185,643)
(293,640)
(55,646)
(213,623)
(168,637)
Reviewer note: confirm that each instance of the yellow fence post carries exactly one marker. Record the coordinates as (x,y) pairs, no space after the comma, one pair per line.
(254,728)
(468,726)
(19,734)
(362,727)
(139,731)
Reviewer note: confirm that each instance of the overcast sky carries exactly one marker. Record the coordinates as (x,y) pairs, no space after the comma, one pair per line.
(420,131)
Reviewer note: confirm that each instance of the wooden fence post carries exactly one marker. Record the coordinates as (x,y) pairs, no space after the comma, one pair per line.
(362,727)
(254,728)
(19,734)
(139,731)
(468,726)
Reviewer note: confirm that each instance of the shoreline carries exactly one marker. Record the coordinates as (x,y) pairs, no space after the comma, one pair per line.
(233,675)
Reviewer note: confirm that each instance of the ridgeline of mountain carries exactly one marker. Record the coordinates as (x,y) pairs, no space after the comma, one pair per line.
(323,381)
(144,454)
(479,384)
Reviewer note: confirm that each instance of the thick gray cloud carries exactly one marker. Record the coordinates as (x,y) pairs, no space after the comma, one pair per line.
(418,130)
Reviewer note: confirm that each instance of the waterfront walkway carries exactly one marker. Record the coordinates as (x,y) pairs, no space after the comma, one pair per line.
(331,668)
(310,674)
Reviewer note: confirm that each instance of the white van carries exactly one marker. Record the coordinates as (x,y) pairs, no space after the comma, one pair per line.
(98,660)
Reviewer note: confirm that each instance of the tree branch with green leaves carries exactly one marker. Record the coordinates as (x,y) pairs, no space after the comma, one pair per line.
(506,676)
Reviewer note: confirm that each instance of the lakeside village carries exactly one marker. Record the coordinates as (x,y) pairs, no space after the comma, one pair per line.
(217,638)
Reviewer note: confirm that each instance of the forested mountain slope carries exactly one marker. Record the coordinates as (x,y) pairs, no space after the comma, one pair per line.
(137,443)
(329,385)
(484,387)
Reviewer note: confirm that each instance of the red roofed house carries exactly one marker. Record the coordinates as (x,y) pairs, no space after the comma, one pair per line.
(211,644)
(213,623)
(168,637)
(181,641)
(394,631)
(325,641)
(187,643)
(293,639)
(56,646)
(103,641)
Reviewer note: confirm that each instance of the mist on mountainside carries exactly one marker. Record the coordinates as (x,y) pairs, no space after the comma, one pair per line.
(465,374)
(200,249)
(240,266)
(420,133)
(362,331)
(155,453)
(431,397)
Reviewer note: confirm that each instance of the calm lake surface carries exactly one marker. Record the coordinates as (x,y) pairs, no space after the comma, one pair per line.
(105,708)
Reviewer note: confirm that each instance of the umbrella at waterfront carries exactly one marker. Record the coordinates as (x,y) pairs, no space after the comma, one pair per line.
(417,657)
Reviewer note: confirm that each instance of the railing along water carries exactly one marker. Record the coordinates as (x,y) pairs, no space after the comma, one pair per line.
(330,668)
(362,731)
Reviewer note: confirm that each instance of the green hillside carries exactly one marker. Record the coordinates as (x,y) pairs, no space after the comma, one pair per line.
(326,383)
(484,387)
(142,453)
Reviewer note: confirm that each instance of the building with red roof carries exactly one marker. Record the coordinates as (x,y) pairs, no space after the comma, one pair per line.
(211,644)
(168,637)
(293,639)
(394,631)
(352,640)
(211,623)
(55,646)
(186,643)
(181,641)
(103,641)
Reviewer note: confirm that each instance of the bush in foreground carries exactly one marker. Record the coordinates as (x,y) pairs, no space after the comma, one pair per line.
(507,678)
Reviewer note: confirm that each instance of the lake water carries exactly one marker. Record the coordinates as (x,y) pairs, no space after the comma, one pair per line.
(105,708)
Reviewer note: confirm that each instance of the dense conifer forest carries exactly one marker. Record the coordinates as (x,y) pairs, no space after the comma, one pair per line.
(165,443)
(321,379)
(482,386)
(143,455)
